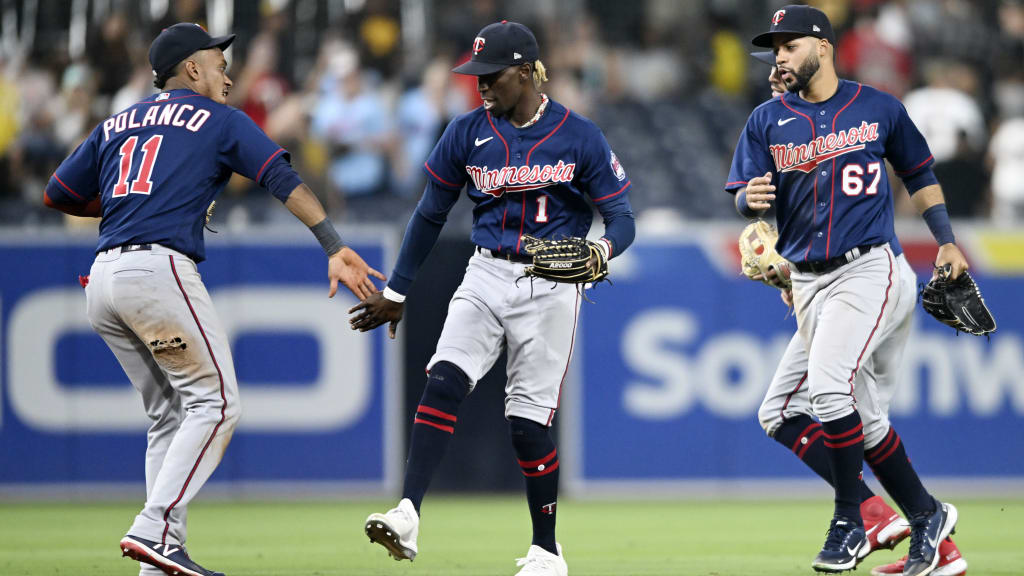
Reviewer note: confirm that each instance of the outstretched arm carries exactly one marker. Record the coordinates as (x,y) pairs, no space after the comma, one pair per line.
(343,264)
(420,236)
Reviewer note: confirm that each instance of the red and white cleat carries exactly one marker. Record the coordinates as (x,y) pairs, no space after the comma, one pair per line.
(884,527)
(951,563)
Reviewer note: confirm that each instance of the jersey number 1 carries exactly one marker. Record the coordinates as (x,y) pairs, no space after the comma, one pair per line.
(142,183)
(542,208)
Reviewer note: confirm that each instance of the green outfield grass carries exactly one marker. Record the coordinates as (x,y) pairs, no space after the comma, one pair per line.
(482,535)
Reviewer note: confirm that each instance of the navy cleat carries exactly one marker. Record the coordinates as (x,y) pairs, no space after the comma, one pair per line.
(171,558)
(842,547)
(927,531)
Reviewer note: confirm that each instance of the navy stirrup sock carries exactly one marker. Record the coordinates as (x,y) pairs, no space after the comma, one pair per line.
(433,426)
(538,459)
(844,441)
(804,436)
(892,467)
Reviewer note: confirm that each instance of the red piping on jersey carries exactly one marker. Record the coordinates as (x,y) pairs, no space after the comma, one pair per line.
(435,412)
(503,215)
(832,196)
(448,429)
(66,187)
(914,169)
(782,412)
(616,193)
(727,184)
(815,206)
(877,322)
(572,342)
(522,220)
(279,150)
(223,405)
(502,138)
(550,134)
(439,179)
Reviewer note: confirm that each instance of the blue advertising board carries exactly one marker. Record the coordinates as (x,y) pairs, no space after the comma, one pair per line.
(674,359)
(317,398)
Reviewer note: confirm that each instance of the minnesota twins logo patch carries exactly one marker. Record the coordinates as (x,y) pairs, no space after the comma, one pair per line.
(617,168)
(478,45)
(779,15)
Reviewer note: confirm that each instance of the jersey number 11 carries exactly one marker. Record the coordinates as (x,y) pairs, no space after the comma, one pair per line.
(142,183)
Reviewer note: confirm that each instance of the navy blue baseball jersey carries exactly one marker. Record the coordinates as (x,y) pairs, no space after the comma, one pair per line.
(530,181)
(158,164)
(826,159)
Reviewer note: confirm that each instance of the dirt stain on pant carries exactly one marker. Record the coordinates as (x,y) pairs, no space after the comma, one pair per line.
(171,353)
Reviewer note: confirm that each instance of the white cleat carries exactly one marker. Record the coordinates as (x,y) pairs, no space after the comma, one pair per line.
(540,562)
(396,530)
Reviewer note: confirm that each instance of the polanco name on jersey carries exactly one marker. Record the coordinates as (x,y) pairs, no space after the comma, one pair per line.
(805,157)
(157,115)
(519,178)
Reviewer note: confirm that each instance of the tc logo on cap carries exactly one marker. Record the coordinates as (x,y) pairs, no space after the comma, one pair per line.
(478,45)
(779,15)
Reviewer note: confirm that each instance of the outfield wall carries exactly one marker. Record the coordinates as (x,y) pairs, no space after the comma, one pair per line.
(675,358)
(671,362)
(309,385)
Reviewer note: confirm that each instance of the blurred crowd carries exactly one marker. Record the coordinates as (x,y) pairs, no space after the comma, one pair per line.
(359,90)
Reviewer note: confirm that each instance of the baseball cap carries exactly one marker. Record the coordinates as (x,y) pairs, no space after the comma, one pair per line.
(797,19)
(768,57)
(175,43)
(499,46)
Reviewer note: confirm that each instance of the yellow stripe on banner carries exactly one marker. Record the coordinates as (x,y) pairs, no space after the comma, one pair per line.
(1004,251)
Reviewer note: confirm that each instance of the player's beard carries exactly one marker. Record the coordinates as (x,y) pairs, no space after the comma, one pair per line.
(802,75)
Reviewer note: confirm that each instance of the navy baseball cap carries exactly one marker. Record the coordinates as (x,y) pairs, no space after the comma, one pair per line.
(499,46)
(175,43)
(768,57)
(800,20)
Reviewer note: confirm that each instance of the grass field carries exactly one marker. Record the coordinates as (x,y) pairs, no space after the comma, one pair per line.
(481,535)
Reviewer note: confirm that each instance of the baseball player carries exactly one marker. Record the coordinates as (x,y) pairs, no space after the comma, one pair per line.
(786,415)
(822,146)
(532,167)
(149,172)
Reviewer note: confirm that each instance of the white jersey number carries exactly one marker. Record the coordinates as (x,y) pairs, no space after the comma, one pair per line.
(853,179)
(542,208)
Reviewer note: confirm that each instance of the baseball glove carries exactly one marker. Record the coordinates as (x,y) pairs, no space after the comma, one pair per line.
(957,303)
(209,216)
(566,260)
(760,261)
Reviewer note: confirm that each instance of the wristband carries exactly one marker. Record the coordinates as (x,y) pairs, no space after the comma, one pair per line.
(743,208)
(392,295)
(937,219)
(328,237)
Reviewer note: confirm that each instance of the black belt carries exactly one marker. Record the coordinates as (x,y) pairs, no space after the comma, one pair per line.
(826,266)
(130,248)
(510,256)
